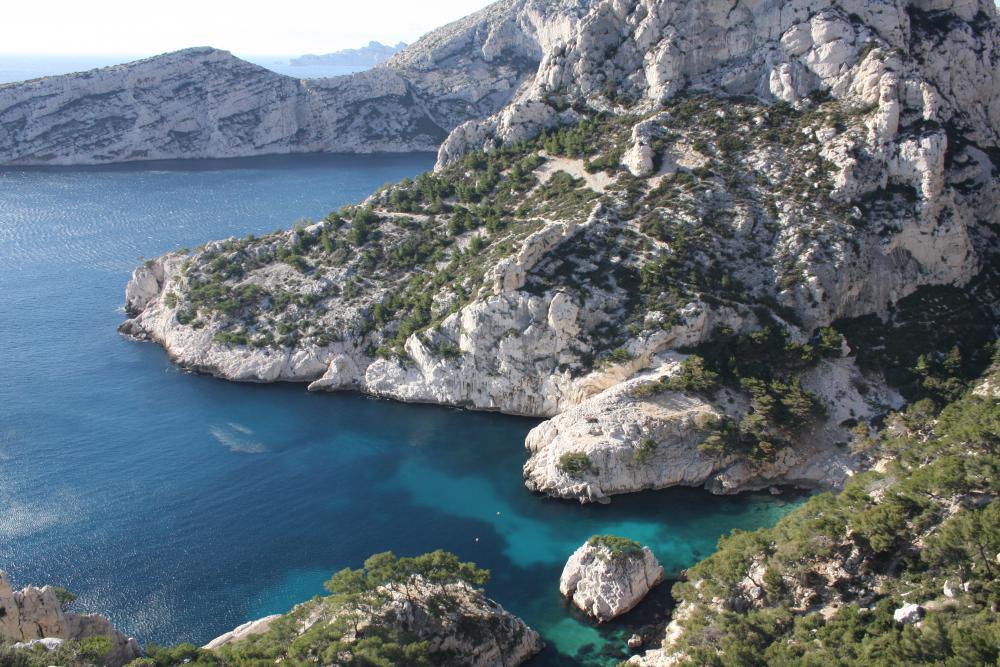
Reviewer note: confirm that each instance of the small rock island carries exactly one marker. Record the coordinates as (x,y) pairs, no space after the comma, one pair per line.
(609,575)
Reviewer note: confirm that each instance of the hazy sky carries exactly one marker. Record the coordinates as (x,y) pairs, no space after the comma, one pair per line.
(284,27)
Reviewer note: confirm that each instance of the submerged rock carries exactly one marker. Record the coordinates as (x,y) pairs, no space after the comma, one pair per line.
(608,576)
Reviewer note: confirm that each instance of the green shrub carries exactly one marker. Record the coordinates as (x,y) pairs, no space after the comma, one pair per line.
(645,450)
(575,464)
(694,376)
(618,546)
(65,597)
(617,356)
(236,338)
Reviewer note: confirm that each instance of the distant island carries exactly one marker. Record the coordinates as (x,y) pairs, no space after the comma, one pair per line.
(366,56)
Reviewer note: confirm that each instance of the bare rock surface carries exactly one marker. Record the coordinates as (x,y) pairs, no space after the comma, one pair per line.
(758,165)
(604,581)
(206,103)
(248,629)
(35,616)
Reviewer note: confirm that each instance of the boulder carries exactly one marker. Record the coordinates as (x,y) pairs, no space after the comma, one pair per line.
(608,576)
(908,614)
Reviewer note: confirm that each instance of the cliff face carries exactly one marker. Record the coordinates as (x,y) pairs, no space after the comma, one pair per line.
(936,66)
(725,182)
(206,103)
(34,614)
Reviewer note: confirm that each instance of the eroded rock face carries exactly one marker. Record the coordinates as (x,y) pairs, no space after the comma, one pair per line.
(35,614)
(205,103)
(649,50)
(605,583)
(636,442)
(870,180)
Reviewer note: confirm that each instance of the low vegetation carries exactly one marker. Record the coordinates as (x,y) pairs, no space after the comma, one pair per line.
(821,586)
(575,464)
(86,653)
(352,626)
(619,547)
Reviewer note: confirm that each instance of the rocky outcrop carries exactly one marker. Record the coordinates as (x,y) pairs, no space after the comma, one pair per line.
(35,616)
(607,577)
(645,51)
(637,442)
(852,172)
(459,623)
(206,103)
(908,614)
(248,629)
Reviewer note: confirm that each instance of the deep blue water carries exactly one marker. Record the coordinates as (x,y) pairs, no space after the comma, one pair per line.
(182,505)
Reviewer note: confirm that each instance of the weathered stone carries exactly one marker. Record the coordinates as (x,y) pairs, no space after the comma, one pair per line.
(258,627)
(908,614)
(35,615)
(604,583)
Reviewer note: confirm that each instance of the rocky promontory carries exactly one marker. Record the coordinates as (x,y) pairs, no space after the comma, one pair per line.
(35,617)
(609,575)
(421,611)
(676,260)
(206,103)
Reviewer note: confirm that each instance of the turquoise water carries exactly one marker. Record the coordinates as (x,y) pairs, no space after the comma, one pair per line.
(183,505)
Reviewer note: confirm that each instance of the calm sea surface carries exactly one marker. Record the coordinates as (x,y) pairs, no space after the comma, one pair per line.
(183,506)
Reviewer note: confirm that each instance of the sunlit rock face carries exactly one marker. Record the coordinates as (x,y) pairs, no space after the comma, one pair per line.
(35,615)
(206,103)
(763,165)
(604,583)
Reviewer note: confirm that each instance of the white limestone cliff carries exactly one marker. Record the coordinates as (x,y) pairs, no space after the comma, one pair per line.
(36,615)
(894,190)
(206,103)
(605,583)
(248,629)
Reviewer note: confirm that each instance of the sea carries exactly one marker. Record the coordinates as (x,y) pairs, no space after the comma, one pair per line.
(182,506)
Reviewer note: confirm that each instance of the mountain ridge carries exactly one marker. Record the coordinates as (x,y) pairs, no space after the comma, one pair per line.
(205,103)
(371,54)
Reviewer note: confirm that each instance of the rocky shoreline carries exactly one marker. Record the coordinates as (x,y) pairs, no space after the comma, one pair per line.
(865,177)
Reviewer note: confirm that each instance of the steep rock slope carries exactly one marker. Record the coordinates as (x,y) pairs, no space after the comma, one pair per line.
(661,267)
(608,575)
(34,615)
(206,103)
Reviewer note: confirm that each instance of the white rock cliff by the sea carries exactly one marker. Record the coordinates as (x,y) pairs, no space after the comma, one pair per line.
(206,103)
(886,185)
(36,615)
